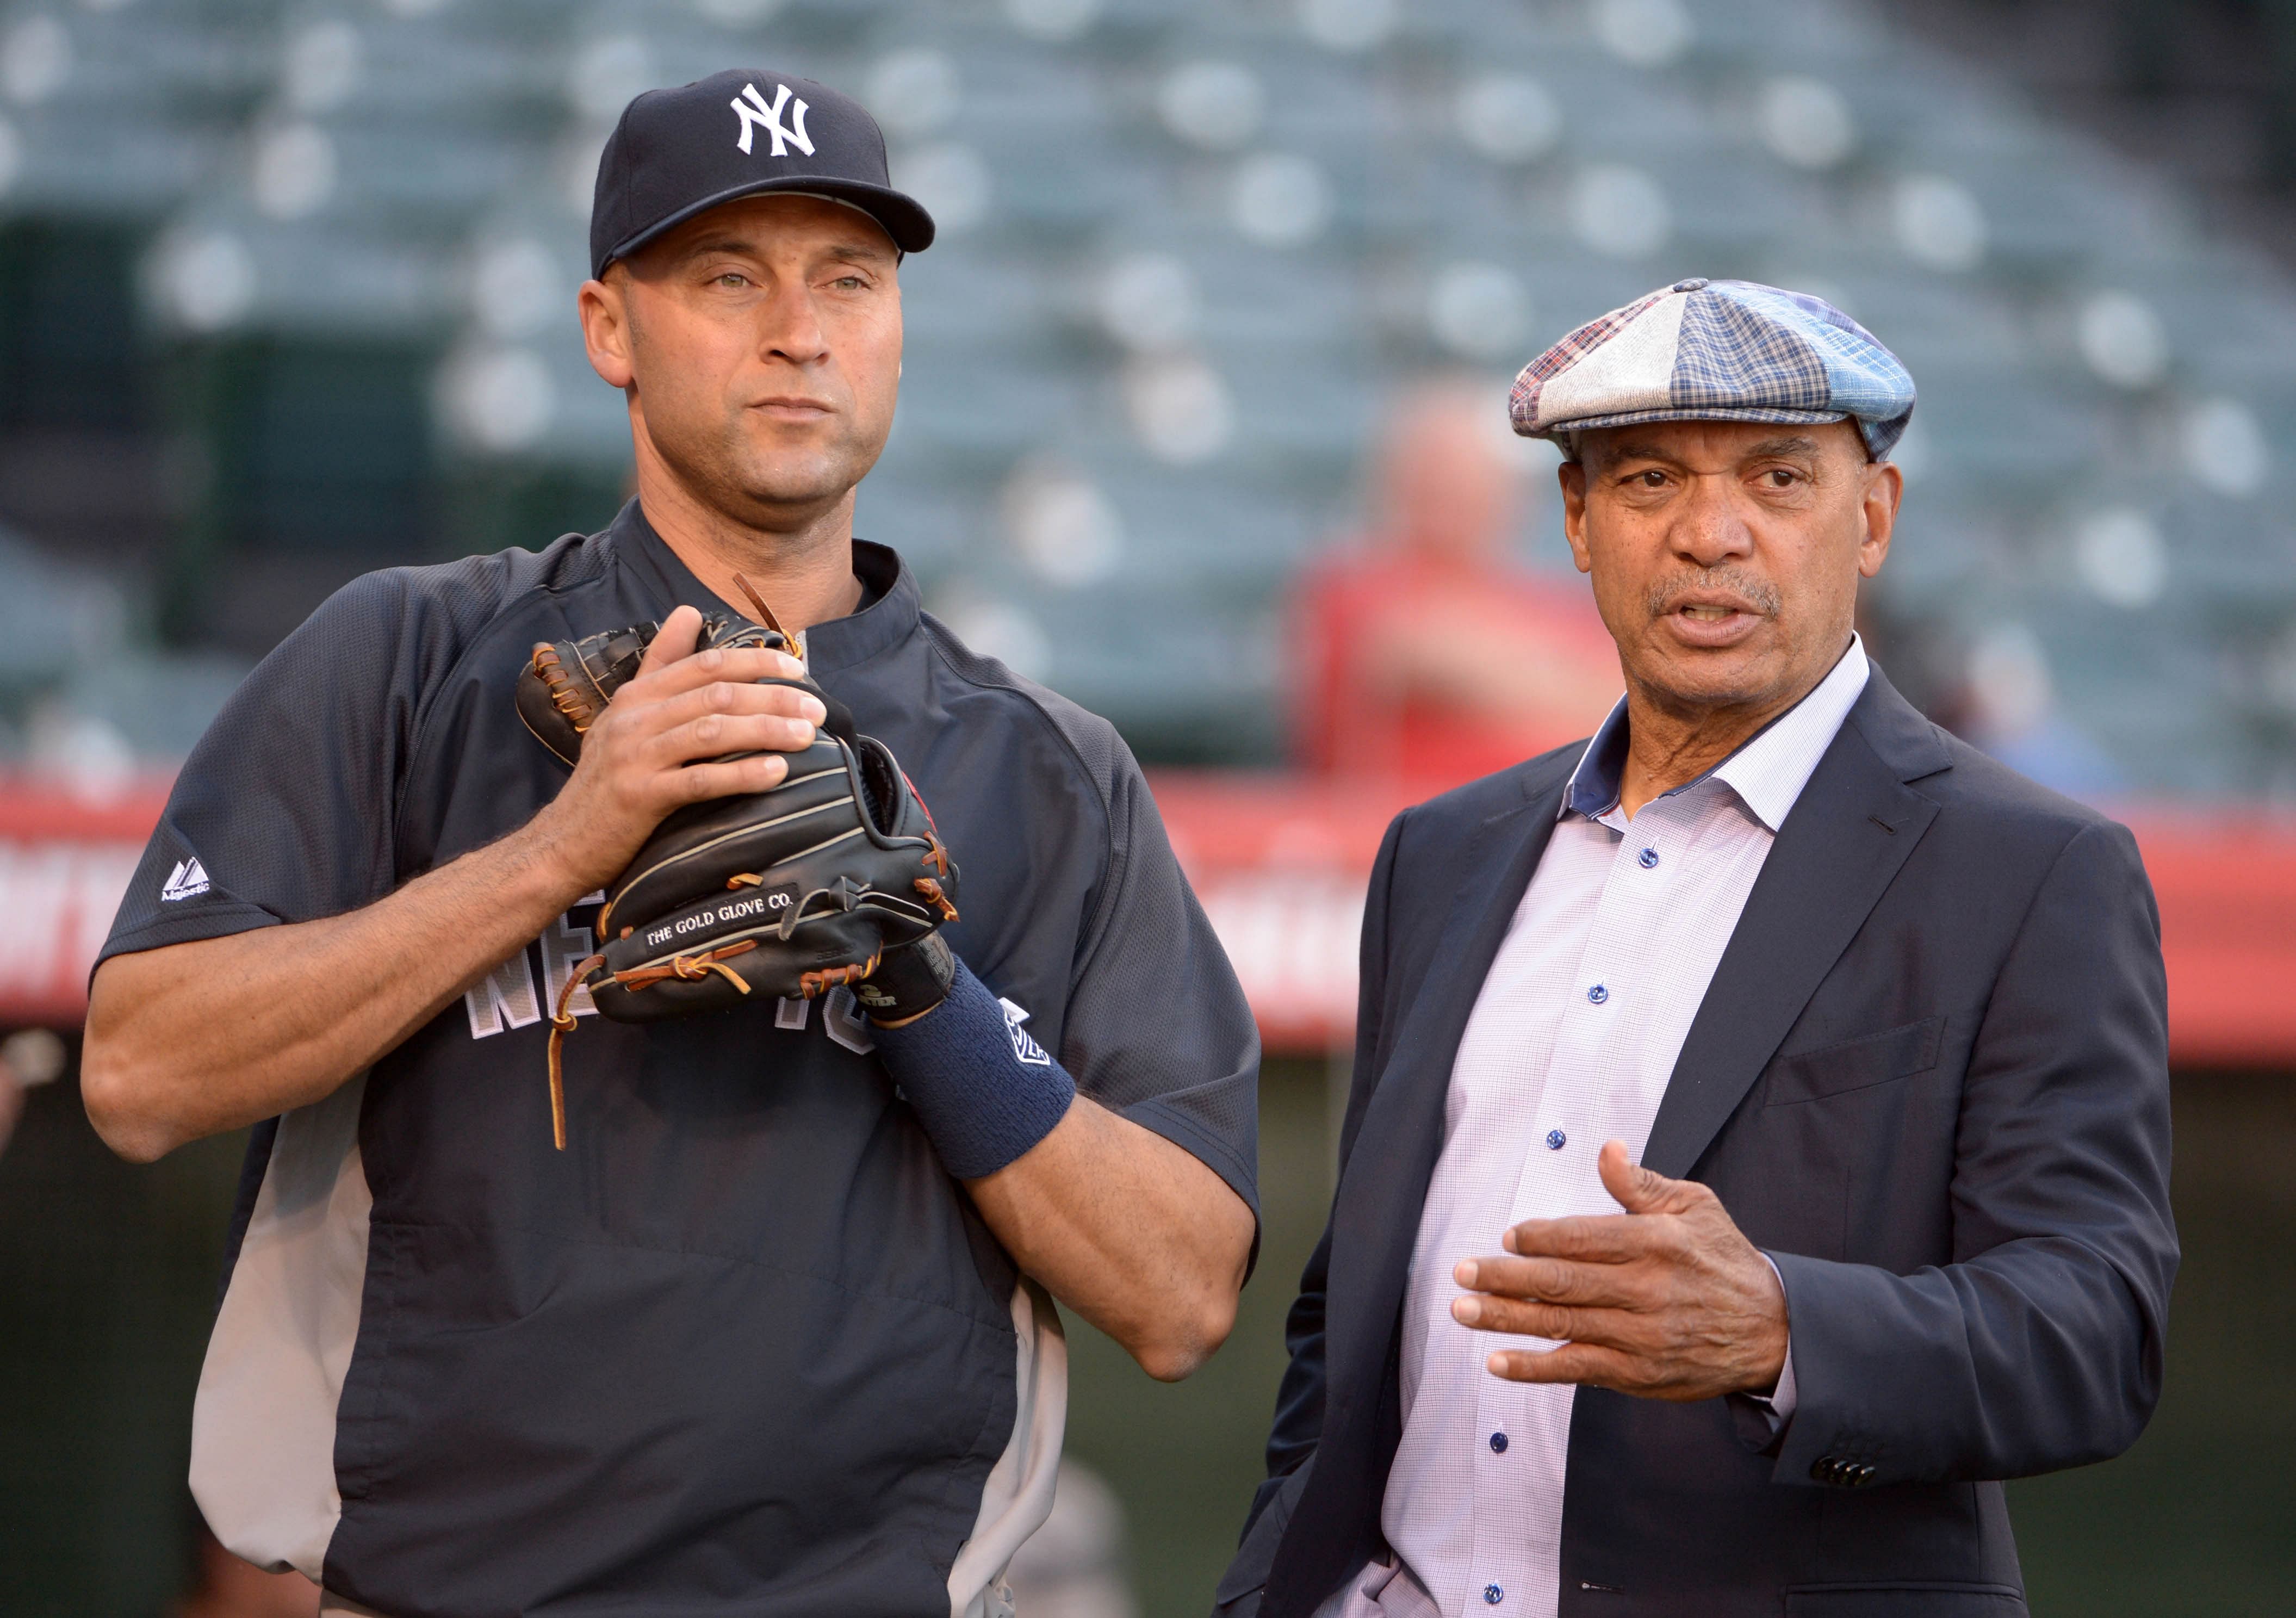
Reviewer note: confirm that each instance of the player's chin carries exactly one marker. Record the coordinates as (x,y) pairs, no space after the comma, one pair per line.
(781,477)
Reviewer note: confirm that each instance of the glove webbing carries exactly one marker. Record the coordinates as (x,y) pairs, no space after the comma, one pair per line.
(562,696)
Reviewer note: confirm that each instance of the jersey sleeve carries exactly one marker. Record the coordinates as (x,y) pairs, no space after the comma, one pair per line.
(1157,1028)
(283,812)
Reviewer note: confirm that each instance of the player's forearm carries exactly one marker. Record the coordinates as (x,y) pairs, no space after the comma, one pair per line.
(1130,1231)
(194,1039)
(1116,1222)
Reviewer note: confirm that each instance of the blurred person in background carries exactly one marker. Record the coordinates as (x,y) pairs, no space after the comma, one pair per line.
(2008,705)
(1759,1139)
(773,1333)
(30,1058)
(1074,1567)
(11,1103)
(1429,652)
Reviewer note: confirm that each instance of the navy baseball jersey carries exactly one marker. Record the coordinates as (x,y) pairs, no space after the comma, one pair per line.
(744,1346)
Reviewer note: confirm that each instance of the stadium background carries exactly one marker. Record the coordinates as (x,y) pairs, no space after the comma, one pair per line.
(286,294)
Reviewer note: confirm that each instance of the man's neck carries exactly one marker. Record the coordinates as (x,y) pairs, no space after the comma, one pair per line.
(1671,744)
(804,572)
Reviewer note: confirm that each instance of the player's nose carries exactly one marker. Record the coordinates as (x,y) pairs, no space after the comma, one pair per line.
(791,328)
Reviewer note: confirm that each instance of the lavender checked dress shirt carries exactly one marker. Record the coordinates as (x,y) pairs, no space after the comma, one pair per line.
(1572,1042)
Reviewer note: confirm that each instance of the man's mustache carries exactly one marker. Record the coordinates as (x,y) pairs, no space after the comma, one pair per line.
(1749,589)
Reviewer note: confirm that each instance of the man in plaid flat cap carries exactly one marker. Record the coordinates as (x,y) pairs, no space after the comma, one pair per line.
(1764,1104)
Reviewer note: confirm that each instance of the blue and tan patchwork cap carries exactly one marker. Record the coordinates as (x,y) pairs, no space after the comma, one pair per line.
(1715,350)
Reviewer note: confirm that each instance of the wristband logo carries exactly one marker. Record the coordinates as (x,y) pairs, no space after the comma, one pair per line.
(1025,1048)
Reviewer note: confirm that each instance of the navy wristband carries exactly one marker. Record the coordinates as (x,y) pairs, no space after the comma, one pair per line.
(984,1090)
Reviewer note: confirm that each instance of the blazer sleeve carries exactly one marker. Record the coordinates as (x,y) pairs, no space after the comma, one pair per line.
(1298,1423)
(2040,1346)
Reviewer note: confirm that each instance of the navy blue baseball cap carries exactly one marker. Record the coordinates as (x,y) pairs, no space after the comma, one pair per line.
(747,130)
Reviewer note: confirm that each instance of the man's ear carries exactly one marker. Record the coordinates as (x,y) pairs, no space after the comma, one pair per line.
(1572,476)
(1885,487)
(604,309)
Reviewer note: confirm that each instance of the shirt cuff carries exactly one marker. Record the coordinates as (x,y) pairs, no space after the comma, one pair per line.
(1778,1404)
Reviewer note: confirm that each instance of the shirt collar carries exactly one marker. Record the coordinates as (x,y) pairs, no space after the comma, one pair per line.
(1767,773)
(890,604)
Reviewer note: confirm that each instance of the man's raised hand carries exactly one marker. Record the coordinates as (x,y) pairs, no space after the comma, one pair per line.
(658,747)
(1665,1300)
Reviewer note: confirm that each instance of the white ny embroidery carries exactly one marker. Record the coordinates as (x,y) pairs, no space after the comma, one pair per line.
(756,115)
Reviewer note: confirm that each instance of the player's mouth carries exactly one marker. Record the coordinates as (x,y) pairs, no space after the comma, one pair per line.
(1707,621)
(792,407)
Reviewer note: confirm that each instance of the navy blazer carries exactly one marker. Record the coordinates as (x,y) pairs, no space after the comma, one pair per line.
(1930,1079)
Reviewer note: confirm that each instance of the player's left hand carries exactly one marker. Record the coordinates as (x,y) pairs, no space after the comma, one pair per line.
(1665,1300)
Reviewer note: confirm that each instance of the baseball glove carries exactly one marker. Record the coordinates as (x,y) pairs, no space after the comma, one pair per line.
(788,892)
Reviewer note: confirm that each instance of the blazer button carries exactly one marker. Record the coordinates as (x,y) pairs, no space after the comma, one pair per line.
(1827,1469)
(1859,1476)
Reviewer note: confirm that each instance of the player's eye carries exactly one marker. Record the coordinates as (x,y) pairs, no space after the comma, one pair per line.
(734,278)
(1782,477)
(849,283)
(1652,479)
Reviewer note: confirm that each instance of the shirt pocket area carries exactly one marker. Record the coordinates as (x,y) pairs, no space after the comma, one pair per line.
(1856,1064)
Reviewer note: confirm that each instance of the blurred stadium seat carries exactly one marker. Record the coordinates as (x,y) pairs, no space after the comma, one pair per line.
(1187,249)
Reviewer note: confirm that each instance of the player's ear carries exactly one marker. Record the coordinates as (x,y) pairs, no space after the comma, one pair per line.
(603,308)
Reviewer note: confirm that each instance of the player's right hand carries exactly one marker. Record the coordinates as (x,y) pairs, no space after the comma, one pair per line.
(658,747)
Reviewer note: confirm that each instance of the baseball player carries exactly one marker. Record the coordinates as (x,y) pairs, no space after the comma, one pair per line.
(767,1335)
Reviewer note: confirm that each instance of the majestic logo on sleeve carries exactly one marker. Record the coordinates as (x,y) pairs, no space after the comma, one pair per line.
(756,115)
(1024,1047)
(189,881)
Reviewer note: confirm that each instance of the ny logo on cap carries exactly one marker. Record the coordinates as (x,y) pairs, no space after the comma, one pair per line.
(756,115)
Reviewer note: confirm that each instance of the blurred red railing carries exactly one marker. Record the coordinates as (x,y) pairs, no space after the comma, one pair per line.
(1279,862)
(65,859)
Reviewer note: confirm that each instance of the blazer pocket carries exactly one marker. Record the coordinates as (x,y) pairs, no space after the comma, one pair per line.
(1905,1601)
(1248,1571)
(1856,1064)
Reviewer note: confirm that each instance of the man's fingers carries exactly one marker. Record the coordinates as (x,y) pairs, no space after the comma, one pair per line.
(1551,1281)
(731,697)
(1640,1190)
(1591,1366)
(674,640)
(1599,1238)
(731,776)
(739,665)
(714,733)
(1574,1362)
(1525,1318)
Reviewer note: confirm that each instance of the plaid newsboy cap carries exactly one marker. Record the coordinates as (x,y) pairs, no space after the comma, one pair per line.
(1715,350)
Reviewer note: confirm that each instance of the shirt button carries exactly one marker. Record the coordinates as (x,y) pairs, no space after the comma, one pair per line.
(1597,995)
(1493,1594)
(1498,1443)
(1555,1139)
(1647,858)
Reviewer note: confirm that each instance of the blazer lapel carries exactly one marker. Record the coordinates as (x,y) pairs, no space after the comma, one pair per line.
(1849,834)
(1375,1213)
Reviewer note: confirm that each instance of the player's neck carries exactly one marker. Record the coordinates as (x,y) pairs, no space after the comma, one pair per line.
(805,572)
